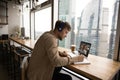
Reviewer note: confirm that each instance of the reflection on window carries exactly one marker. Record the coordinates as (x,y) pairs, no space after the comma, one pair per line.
(92,21)
(42,21)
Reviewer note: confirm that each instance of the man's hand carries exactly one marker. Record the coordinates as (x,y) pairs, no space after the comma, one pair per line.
(63,54)
(78,58)
(81,57)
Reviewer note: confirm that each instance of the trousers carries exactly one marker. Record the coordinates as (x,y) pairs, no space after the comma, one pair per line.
(60,76)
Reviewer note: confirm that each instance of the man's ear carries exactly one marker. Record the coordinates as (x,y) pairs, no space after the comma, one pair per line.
(60,26)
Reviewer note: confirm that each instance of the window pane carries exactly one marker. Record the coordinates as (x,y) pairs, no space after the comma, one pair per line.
(26,19)
(42,21)
(92,21)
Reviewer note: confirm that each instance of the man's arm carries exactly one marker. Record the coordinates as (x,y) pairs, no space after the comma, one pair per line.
(63,54)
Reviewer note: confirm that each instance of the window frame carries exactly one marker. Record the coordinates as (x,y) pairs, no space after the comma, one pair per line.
(39,7)
(116,55)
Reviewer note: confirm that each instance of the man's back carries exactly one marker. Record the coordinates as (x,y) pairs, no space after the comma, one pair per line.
(39,62)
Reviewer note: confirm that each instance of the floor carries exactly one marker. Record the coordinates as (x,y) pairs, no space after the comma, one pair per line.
(3,71)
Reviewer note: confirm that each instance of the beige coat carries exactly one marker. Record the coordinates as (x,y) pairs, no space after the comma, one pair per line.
(45,58)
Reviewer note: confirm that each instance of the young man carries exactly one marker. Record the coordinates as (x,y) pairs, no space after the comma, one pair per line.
(46,57)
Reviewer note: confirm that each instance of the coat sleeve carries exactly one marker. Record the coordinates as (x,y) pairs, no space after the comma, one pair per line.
(53,54)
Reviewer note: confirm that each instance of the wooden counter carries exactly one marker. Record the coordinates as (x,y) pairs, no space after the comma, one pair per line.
(99,68)
(23,42)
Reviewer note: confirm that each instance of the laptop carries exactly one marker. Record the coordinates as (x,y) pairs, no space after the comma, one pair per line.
(84,49)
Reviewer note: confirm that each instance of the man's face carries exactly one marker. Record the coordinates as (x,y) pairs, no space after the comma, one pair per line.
(63,34)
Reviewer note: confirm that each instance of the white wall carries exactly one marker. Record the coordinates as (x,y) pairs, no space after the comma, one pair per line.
(14,16)
(14,19)
(3,29)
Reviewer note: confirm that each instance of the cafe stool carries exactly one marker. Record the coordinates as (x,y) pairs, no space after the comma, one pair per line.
(18,55)
(15,59)
(24,67)
(11,62)
(4,49)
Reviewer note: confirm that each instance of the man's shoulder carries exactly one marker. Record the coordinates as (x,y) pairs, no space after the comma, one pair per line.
(48,34)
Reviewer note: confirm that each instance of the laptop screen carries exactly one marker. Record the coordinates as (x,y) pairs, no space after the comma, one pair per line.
(84,48)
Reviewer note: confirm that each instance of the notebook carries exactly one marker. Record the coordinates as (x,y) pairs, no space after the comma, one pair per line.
(84,49)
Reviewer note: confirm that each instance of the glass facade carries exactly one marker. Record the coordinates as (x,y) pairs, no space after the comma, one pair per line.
(93,21)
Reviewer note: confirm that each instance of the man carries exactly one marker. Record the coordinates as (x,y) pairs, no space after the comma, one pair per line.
(46,57)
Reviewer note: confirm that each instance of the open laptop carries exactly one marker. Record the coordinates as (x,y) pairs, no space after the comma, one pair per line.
(84,49)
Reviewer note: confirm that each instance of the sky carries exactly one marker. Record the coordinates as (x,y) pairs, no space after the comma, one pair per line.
(80,4)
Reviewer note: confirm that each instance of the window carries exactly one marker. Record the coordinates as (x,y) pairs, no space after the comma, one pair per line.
(92,21)
(42,21)
(3,13)
(26,18)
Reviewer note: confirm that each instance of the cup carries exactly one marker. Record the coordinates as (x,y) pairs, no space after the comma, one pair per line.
(72,47)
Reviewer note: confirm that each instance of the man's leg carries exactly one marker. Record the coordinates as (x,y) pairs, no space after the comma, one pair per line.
(60,76)
(57,69)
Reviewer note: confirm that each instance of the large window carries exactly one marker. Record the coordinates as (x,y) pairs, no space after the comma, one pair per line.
(92,21)
(26,18)
(42,21)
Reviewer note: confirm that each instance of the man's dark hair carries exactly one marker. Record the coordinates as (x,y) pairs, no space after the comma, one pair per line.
(60,25)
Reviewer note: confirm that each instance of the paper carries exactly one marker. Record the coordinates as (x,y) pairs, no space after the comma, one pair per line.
(85,61)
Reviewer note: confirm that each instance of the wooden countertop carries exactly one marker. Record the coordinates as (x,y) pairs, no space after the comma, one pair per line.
(23,42)
(100,68)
